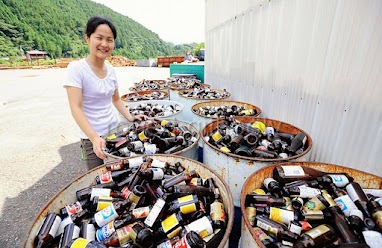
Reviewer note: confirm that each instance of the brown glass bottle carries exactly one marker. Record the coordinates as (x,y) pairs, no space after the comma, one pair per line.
(317,237)
(217,211)
(191,240)
(74,207)
(71,231)
(47,230)
(179,178)
(279,230)
(376,212)
(264,199)
(264,238)
(90,192)
(84,243)
(185,204)
(110,213)
(359,197)
(170,227)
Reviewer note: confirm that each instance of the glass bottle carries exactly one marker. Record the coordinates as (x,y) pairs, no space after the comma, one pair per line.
(112,176)
(217,211)
(191,240)
(317,237)
(264,199)
(179,178)
(84,243)
(74,208)
(110,213)
(273,187)
(264,238)
(185,204)
(359,197)
(71,231)
(279,230)
(87,230)
(47,230)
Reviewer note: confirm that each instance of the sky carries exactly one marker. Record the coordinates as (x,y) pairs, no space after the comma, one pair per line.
(176,21)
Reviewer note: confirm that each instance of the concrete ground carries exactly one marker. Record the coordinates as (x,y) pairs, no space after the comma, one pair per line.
(39,144)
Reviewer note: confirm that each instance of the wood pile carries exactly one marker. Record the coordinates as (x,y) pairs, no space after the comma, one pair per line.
(121,61)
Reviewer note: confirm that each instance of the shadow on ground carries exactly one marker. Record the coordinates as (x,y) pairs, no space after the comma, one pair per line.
(20,212)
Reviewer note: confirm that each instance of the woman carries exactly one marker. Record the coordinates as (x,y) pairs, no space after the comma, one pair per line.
(92,89)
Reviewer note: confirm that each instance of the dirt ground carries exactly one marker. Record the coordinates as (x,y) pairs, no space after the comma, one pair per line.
(39,142)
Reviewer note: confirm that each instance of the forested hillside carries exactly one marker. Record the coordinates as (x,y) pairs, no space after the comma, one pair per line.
(57,26)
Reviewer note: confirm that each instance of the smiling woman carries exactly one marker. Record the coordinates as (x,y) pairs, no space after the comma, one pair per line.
(92,89)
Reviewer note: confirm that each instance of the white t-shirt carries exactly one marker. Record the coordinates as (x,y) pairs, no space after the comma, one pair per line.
(96,95)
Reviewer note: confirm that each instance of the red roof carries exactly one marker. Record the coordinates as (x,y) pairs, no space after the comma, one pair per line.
(37,52)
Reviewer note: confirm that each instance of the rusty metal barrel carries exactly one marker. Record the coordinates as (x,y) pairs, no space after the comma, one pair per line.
(188,152)
(188,102)
(175,88)
(235,169)
(145,95)
(67,194)
(248,237)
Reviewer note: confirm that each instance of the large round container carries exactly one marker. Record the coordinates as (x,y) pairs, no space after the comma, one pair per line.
(174,90)
(162,102)
(188,102)
(248,237)
(189,152)
(200,121)
(235,169)
(144,93)
(67,194)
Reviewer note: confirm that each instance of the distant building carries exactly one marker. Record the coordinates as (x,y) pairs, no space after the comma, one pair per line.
(35,55)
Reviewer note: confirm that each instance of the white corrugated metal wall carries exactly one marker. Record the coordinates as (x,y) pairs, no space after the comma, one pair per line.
(314,64)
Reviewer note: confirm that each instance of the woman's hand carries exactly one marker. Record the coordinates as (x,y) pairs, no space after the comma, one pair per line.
(99,145)
(141,117)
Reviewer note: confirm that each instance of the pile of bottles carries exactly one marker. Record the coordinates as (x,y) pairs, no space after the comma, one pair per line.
(150,137)
(224,111)
(139,202)
(188,85)
(204,93)
(139,96)
(302,207)
(148,85)
(256,140)
(155,109)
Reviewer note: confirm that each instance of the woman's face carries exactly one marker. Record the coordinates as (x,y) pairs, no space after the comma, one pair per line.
(101,42)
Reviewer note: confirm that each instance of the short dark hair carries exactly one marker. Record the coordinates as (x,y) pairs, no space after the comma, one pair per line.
(95,21)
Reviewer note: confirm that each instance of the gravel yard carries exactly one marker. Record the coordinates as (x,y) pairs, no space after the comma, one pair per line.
(39,142)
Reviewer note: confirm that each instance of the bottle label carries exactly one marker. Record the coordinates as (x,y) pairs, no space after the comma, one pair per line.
(358,213)
(119,143)
(89,232)
(170,223)
(106,177)
(251,214)
(372,238)
(308,192)
(123,235)
(158,174)
(374,192)
(125,192)
(111,137)
(99,192)
(73,208)
(352,193)
(267,227)
(260,234)
(142,136)
(135,162)
(314,204)
(106,215)
(63,224)
(134,199)
(154,213)
(195,181)
(280,215)
(158,164)
(259,192)
(217,136)
(312,214)
(186,204)
(105,231)
(267,181)
(201,226)
(166,244)
(103,202)
(345,204)
(379,201)
(217,211)
(55,226)
(293,170)
(140,213)
(339,180)
(328,198)
(182,243)
(318,231)
(297,229)
(115,167)
(80,243)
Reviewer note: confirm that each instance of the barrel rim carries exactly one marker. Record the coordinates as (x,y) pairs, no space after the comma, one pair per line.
(230,200)
(157,101)
(142,92)
(176,153)
(277,160)
(198,99)
(196,106)
(303,163)
(173,86)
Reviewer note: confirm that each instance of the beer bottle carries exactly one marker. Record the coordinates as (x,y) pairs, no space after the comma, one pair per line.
(47,230)
(298,142)
(277,214)
(376,212)
(255,152)
(359,197)
(112,176)
(74,218)
(90,192)
(264,238)
(319,236)
(71,231)
(74,208)
(84,243)
(110,213)
(182,190)
(338,180)
(250,211)
(153,174)
(179,178)
(101,202)
(303,192)
(185,204)
(273,187)
(343,200)
(341,225)
(170,227)
(191,240)
(87,230)
(286,174)
(202,226)
(279,230)
(235,142)
(217,211)
(312,183)
(264,199)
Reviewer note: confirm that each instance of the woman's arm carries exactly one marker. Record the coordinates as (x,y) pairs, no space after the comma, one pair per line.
(75,103)
(120,106)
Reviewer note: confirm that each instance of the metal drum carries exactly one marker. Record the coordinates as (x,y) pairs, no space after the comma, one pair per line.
(188,102)
(174,90)
(189,152)
(145,94)
(235,169)
(67,194)
(175,116)
(248,237)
